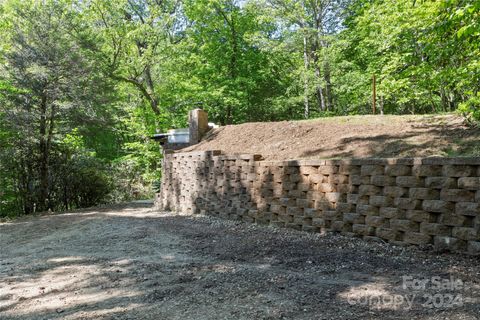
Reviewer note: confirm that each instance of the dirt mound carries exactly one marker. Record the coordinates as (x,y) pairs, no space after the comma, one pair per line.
(347,137)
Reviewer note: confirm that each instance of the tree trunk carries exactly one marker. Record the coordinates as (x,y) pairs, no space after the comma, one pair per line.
(43,174)
(319,90)
(306,63)
(328,85)
(324,96)
(46,134)
(381,105)
(444,99)
(233,61)
(233,58)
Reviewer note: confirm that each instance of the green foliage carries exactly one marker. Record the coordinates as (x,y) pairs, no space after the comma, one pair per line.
(88,182)
(48,67)
(84,84)
(471,108)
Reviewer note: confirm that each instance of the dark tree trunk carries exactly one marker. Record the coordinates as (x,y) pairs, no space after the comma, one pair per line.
(305,84)
(46,134)
(328,86)
(43,172)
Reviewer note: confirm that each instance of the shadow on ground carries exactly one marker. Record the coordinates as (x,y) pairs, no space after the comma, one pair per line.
(436,140)
(130,262)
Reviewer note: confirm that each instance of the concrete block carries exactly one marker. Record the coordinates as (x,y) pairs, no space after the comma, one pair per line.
(451,219)
(352,198)
(398,170)
(323,205)
(367,210)
(308,228)
(302,186)
(374,221)
(288,186)
(325,187)
(424,194)
(382,180)
(381,201)
(457,171)
(287,202)
(285,218)
(372,170)
(297,194)
(308,170)
(409,181)
(294,226)
(465,233)
(316,178)
(326,169)
(417,238)
(440,182)
(394,191)
(337,226)
(434,229)
(310,212)
(470,183)
(457,195)
(363,230)
(406,203)
(359,180)
(345,188)
(427,170)
(294,211)
(300,220)
(386,233)
(344,206)
(369,190)
(332,215)
(473,247)
(437,206)
(338,179)
(390,212)
(335,197)
(449,243)
(277,209)
(467,208)
(418,216)
(295,177)
(349,169)
(353,218)
(404,225)
(318,222)
(304,203)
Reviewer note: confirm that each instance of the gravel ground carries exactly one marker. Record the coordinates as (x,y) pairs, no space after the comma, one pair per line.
(130,262)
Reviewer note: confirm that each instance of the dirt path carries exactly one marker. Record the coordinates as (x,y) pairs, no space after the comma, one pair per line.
(133,263)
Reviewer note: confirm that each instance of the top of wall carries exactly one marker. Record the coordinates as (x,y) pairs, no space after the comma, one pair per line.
(217,154)
(347,137)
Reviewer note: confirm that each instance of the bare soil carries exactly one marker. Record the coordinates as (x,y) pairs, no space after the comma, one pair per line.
(348,137)
(130,262)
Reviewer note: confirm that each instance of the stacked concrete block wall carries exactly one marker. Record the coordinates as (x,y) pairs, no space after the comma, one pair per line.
(431,201)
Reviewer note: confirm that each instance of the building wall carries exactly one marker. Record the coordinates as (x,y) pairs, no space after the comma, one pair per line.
(430,201)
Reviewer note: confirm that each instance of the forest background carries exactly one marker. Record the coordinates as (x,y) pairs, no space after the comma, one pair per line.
(85,83)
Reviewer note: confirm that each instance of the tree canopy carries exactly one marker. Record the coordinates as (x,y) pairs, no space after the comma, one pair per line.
(83,84)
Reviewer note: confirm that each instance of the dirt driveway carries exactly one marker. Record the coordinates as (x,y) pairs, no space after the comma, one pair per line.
(130,262)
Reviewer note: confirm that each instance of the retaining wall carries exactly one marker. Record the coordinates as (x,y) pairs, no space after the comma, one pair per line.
(430,201)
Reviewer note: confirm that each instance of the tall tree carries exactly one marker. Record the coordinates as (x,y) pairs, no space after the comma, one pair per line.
(56,84)
(137,36)
(317,21)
